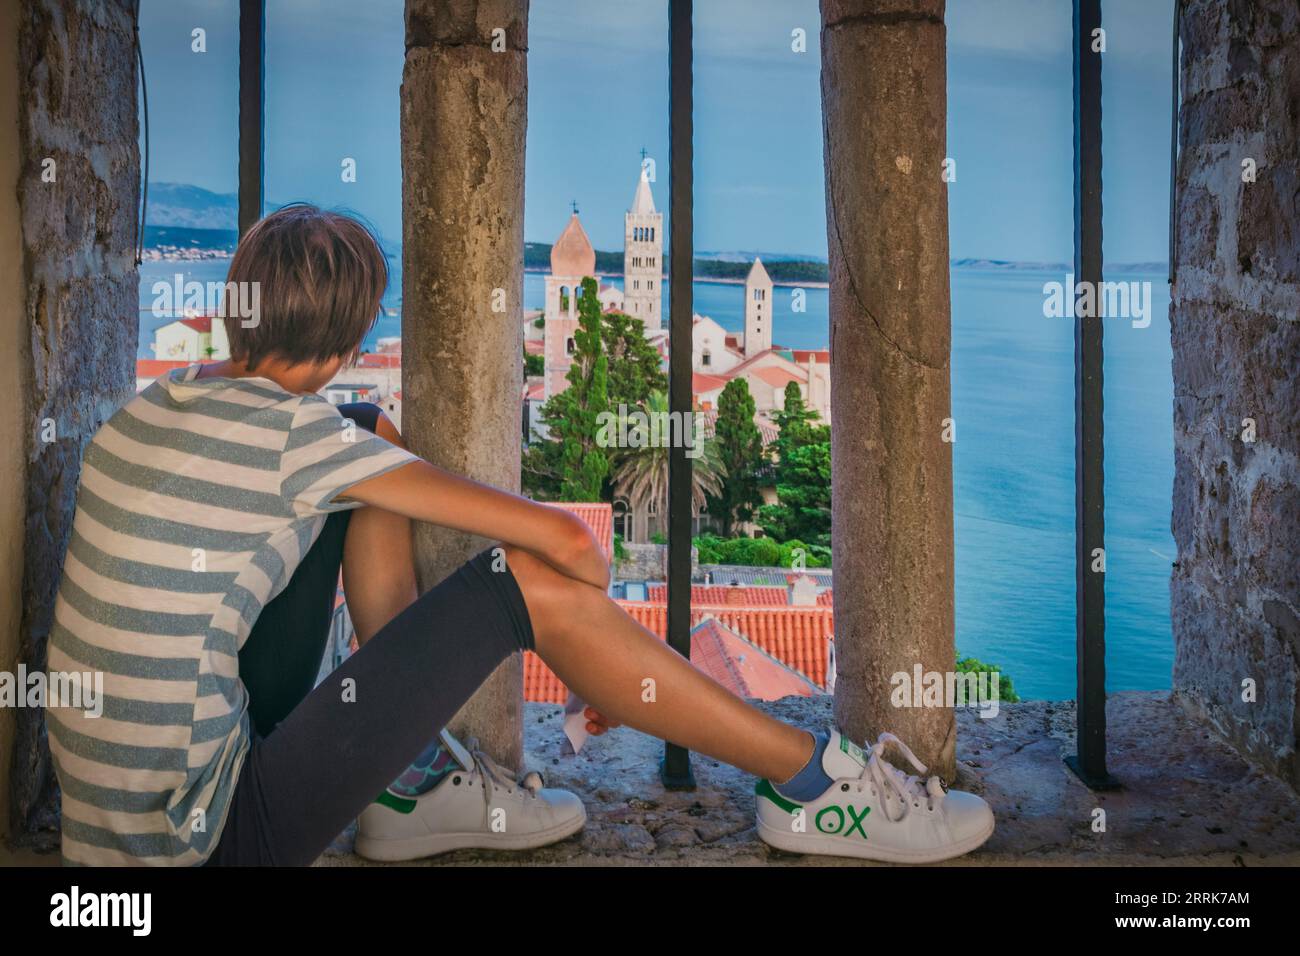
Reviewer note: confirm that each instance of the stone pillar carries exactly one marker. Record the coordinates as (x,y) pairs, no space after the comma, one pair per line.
(464,115)
(1235,327)
(884,103)
(78,174)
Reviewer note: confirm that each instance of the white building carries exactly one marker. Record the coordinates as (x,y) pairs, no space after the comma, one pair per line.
(714,350)
(191,339)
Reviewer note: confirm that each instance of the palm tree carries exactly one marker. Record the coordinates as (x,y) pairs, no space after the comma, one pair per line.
(641,473)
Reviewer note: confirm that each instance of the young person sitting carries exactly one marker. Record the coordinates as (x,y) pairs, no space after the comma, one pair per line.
(214,513)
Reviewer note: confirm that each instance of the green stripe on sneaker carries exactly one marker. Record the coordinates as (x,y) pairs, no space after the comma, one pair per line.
(764,788)
(394,802)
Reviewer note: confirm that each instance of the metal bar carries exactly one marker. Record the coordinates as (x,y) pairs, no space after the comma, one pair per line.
(1089,472)
(252,110)
(676,768)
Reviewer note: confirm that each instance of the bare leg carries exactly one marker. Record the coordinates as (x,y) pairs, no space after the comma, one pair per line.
(590,642)
(608,659)
(378,540)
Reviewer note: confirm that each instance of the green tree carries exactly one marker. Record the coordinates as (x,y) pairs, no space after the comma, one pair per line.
(740,446)
(635,367)
(803,476)
(641,472)
(534,364)
(541,469)
(573,416)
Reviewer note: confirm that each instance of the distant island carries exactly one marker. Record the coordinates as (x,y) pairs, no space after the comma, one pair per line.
(187,223)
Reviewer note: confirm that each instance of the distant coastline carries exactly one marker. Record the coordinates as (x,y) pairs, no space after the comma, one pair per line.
(190,244)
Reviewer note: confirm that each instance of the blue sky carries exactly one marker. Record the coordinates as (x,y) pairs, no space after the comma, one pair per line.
(598,75)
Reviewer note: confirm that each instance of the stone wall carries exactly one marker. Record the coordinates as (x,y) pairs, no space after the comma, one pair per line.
(649,562)
(642,562)
(77,107)
(1235,321)
(13,321)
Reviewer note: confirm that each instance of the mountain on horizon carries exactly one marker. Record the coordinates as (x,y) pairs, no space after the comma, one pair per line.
(191,207)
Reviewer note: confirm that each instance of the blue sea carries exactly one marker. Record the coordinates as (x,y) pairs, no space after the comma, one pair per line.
(1013,404)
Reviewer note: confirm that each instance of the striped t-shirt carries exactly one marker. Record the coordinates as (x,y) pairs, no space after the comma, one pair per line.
(197,501)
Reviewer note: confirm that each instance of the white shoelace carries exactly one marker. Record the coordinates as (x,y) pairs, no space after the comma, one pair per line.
(909,789)
(493,774)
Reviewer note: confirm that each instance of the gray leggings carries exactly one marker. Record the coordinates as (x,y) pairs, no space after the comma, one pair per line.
(319,757)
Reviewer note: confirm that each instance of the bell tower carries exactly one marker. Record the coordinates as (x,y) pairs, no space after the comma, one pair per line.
(643,248)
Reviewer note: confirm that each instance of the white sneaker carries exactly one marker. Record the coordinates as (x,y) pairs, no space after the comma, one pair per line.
(874,811)
(478,806)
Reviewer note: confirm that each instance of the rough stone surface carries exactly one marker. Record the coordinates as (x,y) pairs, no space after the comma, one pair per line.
(78,107)
(1187,797)
(464,112)
(884,103)
(649,562)
(1235,326)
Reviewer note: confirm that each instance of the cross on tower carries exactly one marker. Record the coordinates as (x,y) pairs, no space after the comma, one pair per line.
(643,155)
(574,204)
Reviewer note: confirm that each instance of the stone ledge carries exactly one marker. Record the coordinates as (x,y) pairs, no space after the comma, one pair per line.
(1187,797)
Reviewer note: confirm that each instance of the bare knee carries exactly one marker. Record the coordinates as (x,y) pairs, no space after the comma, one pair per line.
(552,598)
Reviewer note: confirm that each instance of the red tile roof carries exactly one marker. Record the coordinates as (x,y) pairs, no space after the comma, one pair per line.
(795,635)
(152,368)
(824,599)
(743,667)
(727,595)
(541,686)
(719,647)
(704,382)
(199,323)
(380,360)
(777,377)
(799,637)
(801,355)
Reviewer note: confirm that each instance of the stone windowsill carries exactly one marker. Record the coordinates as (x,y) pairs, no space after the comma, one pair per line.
(1187,798)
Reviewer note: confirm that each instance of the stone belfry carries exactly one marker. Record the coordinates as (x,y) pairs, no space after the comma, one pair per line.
(758,310)
(643,248)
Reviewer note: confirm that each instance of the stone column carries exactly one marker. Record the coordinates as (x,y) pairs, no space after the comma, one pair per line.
(78,174)
(464,103)
(1235,328)
(884,104)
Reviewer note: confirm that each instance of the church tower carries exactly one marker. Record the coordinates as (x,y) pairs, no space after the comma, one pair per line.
(643,248)
(572,260)
(758,310)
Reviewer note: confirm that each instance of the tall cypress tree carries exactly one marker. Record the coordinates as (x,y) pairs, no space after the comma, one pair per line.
(803,476)
(740,447)
(573,416)
(635,367)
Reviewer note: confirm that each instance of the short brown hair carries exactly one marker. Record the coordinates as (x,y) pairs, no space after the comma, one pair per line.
(320,277)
